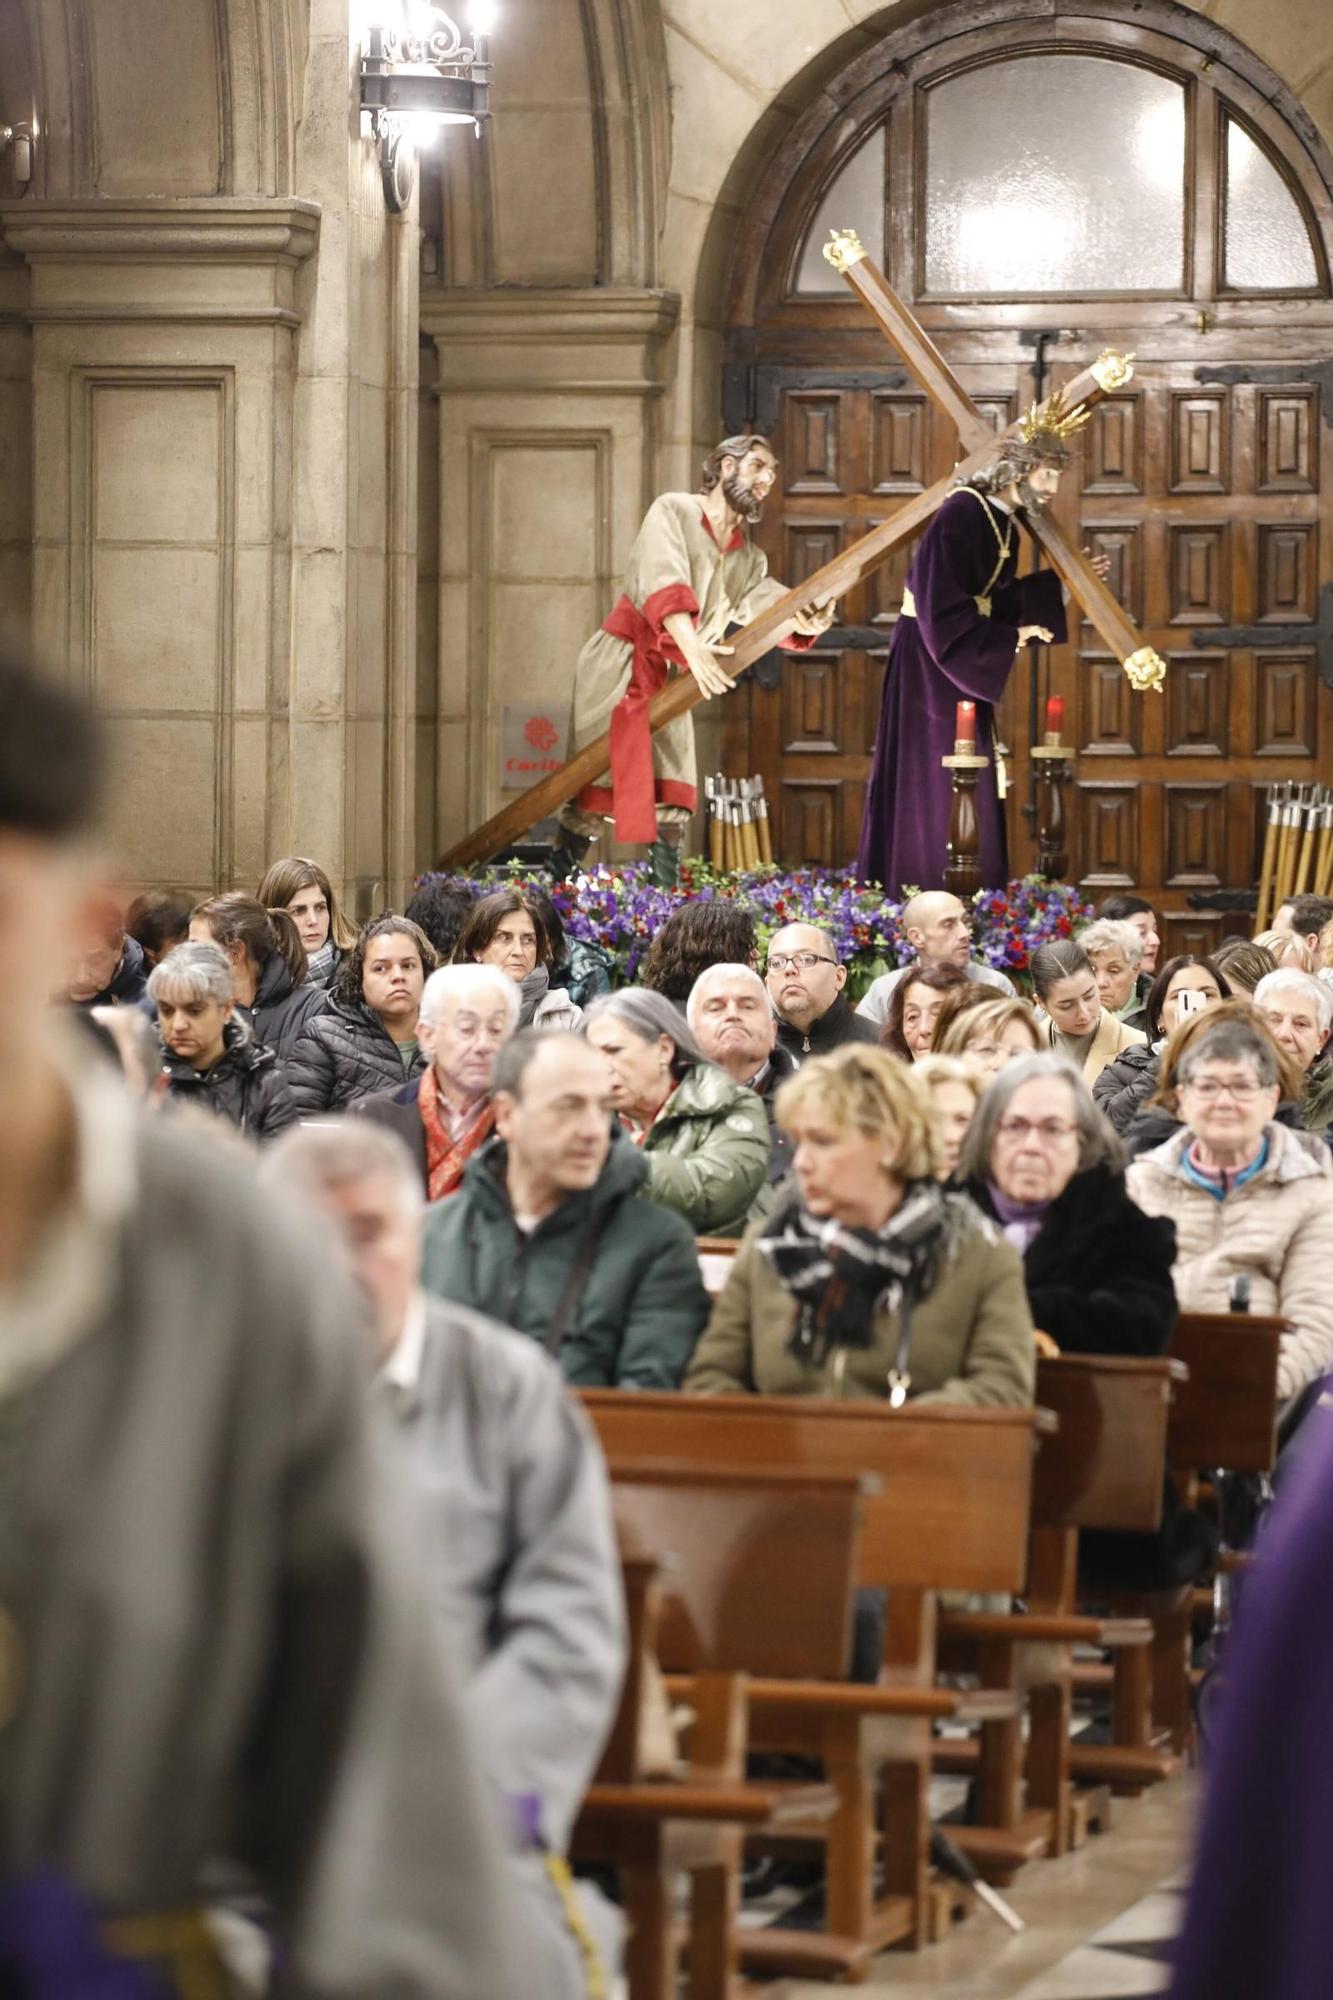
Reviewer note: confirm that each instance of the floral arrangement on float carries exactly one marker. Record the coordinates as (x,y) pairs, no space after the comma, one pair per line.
(621,909)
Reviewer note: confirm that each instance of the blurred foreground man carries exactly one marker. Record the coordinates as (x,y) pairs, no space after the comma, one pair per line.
(519,1538)
(209,1652)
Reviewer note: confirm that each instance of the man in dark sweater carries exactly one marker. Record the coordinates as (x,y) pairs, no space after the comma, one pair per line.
(805,983)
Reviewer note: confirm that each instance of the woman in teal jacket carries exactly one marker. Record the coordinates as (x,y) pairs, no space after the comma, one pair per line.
(705,1139)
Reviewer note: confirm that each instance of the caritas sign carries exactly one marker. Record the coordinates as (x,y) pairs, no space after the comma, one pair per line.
(532,744)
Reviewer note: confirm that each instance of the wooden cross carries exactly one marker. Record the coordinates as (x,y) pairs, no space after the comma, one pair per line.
(1144,667)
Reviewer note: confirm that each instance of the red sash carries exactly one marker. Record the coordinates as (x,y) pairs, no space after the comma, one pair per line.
(445,1159)
(633,797)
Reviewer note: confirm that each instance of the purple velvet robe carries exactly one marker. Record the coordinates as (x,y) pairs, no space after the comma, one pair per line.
(949,651)
(1259,1922)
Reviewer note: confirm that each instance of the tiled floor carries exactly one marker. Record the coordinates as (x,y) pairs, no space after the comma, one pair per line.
(1097,1921)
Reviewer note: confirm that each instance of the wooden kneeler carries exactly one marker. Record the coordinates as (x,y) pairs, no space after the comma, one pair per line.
(1103,1468)
(952,1514)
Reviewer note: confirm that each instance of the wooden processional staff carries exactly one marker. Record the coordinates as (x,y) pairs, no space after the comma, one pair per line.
(979,441)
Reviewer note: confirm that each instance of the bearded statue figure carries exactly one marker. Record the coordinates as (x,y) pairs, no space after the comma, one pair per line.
(693,574)
(966,612)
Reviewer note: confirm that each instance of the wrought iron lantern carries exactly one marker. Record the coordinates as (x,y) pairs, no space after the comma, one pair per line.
(420,73)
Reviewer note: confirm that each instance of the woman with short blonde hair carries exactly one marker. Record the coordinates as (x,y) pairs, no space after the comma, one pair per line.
(952,1089)
(868,1279)
(992,1035)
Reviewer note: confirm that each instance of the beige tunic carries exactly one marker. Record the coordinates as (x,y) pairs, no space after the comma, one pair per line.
(675,565)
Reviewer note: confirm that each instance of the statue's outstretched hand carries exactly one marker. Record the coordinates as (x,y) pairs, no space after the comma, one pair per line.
(710,676)
(1027,632)
(1099,565)
(812,619)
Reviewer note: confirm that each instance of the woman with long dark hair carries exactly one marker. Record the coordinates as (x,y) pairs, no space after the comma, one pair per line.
(268,966)
(510,930)
(302,888)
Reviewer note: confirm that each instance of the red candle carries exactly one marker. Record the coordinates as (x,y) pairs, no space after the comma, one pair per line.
(965,726)
(1055,717)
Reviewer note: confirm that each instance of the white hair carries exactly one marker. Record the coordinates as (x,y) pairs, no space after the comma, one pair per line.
(312,1158)
(1111,934)
(719,975)
(469,982)
(1287,980)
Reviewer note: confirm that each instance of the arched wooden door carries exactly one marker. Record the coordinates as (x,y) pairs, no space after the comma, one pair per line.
(1037,189)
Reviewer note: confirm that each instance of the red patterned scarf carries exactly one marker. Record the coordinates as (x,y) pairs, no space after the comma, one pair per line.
(446,1157)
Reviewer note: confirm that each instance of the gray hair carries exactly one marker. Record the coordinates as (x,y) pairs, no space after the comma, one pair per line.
(716,975)
(469,982)
(1107,934)
(648,1015)
(1233,1041)
(200,970)
(311,1159)
(1288,980)
(1098,1144)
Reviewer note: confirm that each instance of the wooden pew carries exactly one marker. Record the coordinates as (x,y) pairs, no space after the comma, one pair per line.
(1104,1467)
(1224,1419)
(713,1602)
(952,1514)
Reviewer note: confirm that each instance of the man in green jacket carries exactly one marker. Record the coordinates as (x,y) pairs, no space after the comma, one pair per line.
(549,1234)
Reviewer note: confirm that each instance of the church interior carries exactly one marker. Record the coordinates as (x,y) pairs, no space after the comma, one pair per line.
(327,426)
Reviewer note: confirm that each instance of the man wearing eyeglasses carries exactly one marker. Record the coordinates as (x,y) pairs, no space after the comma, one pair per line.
(805,983)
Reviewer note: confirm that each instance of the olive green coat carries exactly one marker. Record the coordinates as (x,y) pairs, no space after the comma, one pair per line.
(971,1335)
(708,1150)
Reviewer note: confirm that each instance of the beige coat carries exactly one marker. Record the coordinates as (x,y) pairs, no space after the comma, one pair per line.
(1278,1228)
(1111,1039)
(971,1337)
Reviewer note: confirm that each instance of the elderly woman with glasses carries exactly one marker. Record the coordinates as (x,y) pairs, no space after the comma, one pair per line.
(868,1279)
(1249,1197)
(704,1137)
(1042,1161)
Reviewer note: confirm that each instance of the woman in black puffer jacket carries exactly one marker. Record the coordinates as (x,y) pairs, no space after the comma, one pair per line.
(211,1058)
(268,966)
(366,1038)
(1124,1087)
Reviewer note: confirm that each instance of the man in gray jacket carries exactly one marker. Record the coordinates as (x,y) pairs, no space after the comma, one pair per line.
(517,1518)
(209,1646)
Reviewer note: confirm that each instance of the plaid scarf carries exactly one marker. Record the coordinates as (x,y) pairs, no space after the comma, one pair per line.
(842,1277)
(445,1156)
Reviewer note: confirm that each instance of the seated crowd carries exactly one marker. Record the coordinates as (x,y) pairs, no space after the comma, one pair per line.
(520,1167)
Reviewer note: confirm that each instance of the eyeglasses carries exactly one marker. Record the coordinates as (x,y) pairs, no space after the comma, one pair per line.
(1209,1087)
(806,960)
(1049,1130)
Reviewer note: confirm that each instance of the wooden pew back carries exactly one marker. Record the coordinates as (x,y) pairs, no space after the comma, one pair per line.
(1105,1466)
(1225,1416)
(760,1567)
(953,1510)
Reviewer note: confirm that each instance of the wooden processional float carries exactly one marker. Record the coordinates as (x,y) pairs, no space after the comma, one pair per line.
(979,442)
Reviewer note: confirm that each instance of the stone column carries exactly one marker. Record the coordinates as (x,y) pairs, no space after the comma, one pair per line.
(163,372)
(548,427)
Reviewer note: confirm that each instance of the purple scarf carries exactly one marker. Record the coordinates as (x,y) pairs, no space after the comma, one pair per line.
(1020,1221)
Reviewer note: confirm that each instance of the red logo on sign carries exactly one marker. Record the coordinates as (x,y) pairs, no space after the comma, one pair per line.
(541,733)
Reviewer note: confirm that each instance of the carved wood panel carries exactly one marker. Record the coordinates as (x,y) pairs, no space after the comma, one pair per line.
(812,451)
(1197,572)
(1199,443)
(810,704)
(1287,459)
(1196,704)
(1285,569)
(1195,835)
(1284,706)
(1108,830)
(1113,451)
(899,443)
